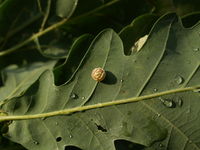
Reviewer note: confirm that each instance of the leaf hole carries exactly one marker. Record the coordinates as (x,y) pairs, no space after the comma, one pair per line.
(58,139)
(127,145)
(72,148)
(99,127)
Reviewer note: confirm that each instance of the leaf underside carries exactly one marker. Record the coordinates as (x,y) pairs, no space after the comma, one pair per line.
(168,60)
(18,79)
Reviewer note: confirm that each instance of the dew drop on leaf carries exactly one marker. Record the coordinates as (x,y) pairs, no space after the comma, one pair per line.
(179,101)
(70,136)
(83,97)
(73,96)
(56,123)
(155,90)
(158,115)
(36,142)
(167,102)
(196,49)
(179,80)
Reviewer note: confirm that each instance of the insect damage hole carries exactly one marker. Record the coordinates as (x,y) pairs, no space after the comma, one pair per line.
(58,139)
(99,127)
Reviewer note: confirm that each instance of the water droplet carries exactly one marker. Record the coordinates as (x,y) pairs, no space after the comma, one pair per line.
(83,97)
(179,101)
(167,102)
(35,142)
(73,96)
(179,80)
(121,80)
(56,123)
(196,49)
(70,136)
(155,90)
(158,115)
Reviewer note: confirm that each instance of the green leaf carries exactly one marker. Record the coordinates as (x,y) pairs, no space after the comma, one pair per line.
(18,79)
(29,21)
(168,62)
(64,72)
(65,8)
(181,7)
